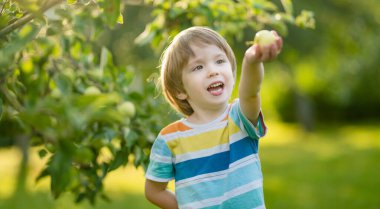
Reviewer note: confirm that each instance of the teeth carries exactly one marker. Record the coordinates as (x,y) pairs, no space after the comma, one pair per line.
(215,85)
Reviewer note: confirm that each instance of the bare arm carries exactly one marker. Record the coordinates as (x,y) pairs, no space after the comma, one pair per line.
(252,76)
(157,194)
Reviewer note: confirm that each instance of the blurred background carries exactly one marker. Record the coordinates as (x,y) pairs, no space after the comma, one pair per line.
(79,108)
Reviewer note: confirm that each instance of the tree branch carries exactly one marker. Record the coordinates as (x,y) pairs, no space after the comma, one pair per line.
(11,99)
(27,18)
(2,8)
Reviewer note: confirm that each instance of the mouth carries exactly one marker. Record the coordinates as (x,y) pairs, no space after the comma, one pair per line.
(216,88)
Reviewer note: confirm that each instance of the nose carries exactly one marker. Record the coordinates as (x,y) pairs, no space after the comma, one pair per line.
(212,72)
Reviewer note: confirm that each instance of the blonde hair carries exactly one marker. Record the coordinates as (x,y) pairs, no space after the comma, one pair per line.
(176,56)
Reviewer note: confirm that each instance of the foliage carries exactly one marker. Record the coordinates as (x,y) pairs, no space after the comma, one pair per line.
(229,18)
(334,67)
(61,89)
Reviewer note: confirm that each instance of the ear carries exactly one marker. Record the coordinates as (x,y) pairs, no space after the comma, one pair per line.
(182,96)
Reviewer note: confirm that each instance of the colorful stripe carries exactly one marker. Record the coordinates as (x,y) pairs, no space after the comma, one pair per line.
(215,165)
(216,162)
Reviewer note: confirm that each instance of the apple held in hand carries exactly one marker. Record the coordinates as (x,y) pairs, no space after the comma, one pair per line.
(264,38)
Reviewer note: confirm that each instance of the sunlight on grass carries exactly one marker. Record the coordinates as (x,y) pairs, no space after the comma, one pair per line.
(279,134)
(126,179)
(323,169)
(325,142)
(9,160)
(125,186)
(362,138)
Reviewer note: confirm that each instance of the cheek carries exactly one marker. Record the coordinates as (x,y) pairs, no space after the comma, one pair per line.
(188,85)
(232,79)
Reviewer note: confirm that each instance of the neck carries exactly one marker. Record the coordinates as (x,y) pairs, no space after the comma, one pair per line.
(201,116)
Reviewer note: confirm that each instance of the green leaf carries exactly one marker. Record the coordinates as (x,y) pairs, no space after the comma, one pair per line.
(71,1)
(264,5)
(121,158)
(288,6)
(26,34)
(83,155)
(139,154)
(111,11)
(105,197)
(61,172)
(120,19)
(63,83)
(43,174)
(42,153)
(80,197)
(305,19)
(4,18)
(104,57)
(32,6)
(147,36)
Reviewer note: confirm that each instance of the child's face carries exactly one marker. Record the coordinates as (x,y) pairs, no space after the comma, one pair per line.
(207,78)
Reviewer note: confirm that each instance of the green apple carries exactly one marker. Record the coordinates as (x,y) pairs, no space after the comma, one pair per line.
(264,38)
(92,90)
(127,109)
(56,93)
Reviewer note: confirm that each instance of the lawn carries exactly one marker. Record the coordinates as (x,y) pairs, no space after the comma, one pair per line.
(336,167)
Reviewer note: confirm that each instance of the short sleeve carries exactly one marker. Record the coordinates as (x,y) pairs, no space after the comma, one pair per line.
(254,131)
(160,167)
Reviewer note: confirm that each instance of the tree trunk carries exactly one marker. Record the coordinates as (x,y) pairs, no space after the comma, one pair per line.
(305,112)
(22,142)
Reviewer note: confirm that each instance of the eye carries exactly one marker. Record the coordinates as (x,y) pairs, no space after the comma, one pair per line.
(220,61)
(199,67)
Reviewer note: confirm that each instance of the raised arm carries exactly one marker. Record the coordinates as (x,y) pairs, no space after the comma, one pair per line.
(252,76)
(157,194)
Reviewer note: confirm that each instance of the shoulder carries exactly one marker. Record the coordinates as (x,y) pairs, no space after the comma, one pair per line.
(234,110)
(177,126)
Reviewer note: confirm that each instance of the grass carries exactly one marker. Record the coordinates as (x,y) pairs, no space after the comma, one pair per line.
(335,167)
(124,186)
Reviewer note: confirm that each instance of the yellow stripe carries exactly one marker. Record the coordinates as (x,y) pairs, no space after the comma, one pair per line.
(204,140)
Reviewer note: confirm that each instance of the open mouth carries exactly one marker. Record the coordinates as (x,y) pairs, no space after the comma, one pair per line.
(216,88)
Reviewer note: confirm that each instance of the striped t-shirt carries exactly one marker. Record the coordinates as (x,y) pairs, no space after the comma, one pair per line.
(214,165)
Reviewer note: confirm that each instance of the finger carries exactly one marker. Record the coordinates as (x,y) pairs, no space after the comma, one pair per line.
(273,51)
(265,54)
(252,51)
(279,45)
(279,41)
(252,54)
(258,51)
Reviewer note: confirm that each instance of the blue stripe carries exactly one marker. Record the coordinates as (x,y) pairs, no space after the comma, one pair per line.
(248,200)
(261,125)
(234,115)
(237,116)
(216,162)
(213,207)
(160,170)
(217,188)
(243,148)
(213,163)
(161,148)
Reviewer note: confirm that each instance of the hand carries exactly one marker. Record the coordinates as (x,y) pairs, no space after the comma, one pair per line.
(257,54)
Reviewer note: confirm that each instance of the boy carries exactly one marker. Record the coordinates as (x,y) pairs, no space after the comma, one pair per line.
(212,154)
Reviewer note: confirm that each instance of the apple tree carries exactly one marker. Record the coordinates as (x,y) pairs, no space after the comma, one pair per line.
(61,90)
